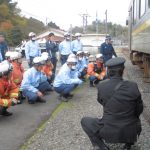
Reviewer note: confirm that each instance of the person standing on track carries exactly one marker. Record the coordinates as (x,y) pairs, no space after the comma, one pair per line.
(122,106)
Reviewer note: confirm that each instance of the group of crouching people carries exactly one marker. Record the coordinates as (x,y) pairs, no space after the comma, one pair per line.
(16,84)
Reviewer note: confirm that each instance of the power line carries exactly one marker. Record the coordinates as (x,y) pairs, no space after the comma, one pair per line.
(84,21)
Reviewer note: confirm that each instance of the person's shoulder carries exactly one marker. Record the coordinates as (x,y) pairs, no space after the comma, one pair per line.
(130,83)
(103,83)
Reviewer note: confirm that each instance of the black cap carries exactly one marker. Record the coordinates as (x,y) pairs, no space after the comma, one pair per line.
(108,37)
(116,62)
(51,34)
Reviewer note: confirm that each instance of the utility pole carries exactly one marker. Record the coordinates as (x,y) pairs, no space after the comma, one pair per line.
(84,19)
(106,22)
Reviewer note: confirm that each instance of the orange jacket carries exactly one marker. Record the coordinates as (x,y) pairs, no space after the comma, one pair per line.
(91,72)
(90,69)
(8,90)
(48,69)
(17,73)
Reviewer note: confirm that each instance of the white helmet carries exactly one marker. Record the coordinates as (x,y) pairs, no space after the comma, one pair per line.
(8,54)
(66,34)
(79,52)
(44,54)
(91,58)
(77,34)
(86,52)
(72,56)
(99,56)
(73,60)
(45,57)
(15,55)
(38,60)
(5,66)
(31,34)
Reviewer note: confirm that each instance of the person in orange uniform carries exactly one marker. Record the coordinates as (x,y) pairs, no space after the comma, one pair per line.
(8,90)
(17,73)
(18,70)
(95,70)
(48,67)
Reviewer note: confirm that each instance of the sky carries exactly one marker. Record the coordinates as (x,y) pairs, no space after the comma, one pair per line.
(66,13)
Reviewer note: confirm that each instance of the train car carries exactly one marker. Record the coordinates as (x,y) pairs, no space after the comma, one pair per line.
(139,34)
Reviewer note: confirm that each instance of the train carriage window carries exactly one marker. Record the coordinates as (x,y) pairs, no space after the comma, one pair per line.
(142,8)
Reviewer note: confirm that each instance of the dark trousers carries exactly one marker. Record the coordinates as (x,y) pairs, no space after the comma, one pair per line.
(65,88)
(54,62)
(91,127)
(43,87)
(31,61)
(64,59)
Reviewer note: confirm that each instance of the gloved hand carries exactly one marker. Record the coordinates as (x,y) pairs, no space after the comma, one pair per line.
(96,75)
(14,101)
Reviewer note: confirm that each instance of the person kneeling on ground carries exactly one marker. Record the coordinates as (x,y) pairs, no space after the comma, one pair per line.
(122,106)
(95,71)
(8,90)
(48,68)
(34,83)
(64,81)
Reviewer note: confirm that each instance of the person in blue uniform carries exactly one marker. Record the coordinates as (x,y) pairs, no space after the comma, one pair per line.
(76,45)
(65,48)
(34,83)
(65,81)
(32,49)
(107,50)
(122,107)
(3,47)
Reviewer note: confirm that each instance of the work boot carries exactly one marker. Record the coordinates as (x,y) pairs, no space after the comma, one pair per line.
(91,84)
(62,98)
(40,100)
(69,95)
(5,112)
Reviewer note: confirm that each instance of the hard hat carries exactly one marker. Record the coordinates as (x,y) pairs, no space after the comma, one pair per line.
(86,52)
(99,56)
(79,52)
(78,34)
(8,53)
(91,58)
(38,60)
(45,57)
(66,34)
(72,56)
(70,59)
(44,54)
(5,66)
(15,55)
(31,34)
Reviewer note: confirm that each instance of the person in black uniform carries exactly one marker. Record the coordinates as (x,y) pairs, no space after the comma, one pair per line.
(107,50)
(52,48)
(122,106)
